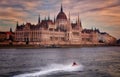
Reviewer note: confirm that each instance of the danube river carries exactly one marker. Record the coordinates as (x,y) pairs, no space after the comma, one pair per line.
(57,62)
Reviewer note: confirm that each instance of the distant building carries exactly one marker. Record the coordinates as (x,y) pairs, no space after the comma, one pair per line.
(118,41)
(90,36)
(106,38)
(7,36)
(59,31)
(3,36)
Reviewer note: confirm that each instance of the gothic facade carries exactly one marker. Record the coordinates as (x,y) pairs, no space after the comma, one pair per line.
(59,31)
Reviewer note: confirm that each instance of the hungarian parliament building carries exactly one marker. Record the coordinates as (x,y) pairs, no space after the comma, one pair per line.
(60,31)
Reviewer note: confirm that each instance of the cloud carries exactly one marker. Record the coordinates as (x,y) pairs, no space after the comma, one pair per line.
(12,14)
(93,13)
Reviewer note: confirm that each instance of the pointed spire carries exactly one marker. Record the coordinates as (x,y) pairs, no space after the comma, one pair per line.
(76,21)
(45,18)
(92,28)
(54,19)
(95,28)
(79,22)
(69,16)
(17,23)
(61,8)
(10,29)
(23,24)
(39,19)
(78,18)
(48,16)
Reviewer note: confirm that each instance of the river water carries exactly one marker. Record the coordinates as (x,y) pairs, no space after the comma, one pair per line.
(57,62)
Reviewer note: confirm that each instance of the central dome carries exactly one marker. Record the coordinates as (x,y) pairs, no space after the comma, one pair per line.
(61,15)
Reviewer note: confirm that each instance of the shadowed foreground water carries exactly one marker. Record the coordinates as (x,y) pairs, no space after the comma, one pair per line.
(93,62)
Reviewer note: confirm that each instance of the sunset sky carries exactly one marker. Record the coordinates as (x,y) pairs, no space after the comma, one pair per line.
(102,14)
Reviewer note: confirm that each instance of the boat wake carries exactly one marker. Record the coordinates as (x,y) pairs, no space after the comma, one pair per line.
(52,69)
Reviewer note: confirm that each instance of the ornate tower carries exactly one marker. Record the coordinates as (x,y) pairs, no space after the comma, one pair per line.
(61,15)
(61,20)
(54,20)
(79,25)
(10,29)
(17,23)
(61,8)
(48,16)
(69,16)
(39,19)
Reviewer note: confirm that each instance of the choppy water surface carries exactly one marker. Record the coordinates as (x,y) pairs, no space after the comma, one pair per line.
(92,62)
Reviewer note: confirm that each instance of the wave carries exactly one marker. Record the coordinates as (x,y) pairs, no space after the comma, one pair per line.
(53,68)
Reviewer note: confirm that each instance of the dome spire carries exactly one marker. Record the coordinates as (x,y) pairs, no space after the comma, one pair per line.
(61,8)
(61,14)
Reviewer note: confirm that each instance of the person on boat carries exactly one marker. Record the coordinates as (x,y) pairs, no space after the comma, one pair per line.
(74,64)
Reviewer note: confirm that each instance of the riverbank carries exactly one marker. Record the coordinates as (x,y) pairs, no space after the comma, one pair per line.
(52,46)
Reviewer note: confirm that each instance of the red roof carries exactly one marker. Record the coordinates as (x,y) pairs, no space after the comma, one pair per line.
(8,33)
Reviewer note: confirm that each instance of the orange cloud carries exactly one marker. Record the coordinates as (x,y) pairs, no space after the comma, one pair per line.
(13,14)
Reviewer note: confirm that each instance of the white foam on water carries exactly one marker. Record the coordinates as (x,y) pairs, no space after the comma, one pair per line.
(54,68)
